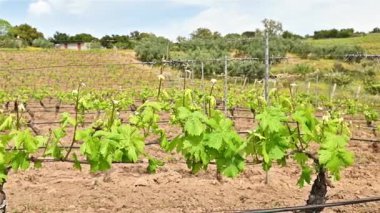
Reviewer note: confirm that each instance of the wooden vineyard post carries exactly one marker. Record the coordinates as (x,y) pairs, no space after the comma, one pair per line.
(316,90)
(333,92)
(225,84)
(245,81)
(266,83)
(202,77)
(357,93)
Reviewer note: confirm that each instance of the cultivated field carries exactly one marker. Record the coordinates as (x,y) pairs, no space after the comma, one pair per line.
(99,131)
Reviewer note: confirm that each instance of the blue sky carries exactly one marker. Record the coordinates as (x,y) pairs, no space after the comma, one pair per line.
(171,18)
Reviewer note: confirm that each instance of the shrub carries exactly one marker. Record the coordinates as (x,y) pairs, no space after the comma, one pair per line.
(373,89)
(43,43)
(7,42)
(152,48)
(303,69)
(95,45)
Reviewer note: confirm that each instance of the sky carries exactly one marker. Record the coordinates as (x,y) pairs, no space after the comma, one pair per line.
(172,18)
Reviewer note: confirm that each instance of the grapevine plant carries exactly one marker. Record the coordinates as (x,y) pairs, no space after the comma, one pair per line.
(205,138)
(317,146)
(287,131)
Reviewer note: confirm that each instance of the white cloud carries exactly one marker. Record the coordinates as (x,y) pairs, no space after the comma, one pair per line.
(298,16)
(225,16)
(40,7)
(222,19)
(71,6)
(195,2)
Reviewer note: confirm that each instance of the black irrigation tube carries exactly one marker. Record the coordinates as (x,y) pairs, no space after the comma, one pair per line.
(365,140)
(313,207)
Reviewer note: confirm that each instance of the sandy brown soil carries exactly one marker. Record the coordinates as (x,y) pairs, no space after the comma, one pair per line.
(57,187)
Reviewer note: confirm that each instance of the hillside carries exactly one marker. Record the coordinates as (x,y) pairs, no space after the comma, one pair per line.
(370,42)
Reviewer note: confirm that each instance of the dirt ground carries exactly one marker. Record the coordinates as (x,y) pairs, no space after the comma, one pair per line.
(57,187)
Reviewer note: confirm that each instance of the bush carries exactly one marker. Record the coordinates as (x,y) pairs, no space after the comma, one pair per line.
(95,45)
(339,78)
(306,50)
(334,33)
(152,49)
(302,69)
(7,42)
(251,70)
(43,43)
(373,89)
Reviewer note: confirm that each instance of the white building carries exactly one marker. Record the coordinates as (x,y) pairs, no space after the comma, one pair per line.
(74,46)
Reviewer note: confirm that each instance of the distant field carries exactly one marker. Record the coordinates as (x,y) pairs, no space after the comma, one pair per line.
(370,42)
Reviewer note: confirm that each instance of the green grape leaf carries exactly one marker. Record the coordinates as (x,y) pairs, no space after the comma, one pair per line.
(305,176)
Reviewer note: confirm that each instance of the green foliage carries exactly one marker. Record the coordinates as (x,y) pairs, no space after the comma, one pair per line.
(333,153)
(119,41)
(375,30)
(153,165)
(303,69)
(204,33)
(122,143)
(25,32)
(146,117)
(23,144)
(95,45)
(59,38)
(269,139)
(251,70)
(338,75)
(152,48)
(7,42)
(334,33)
(43,43)
(82,37)
(205,139)
(370,115)
(289,35)
(274,140)
(372,88)
(5,26)
(273,27)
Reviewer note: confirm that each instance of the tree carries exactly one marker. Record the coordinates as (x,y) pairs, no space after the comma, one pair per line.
(135,35)
(25,32)
(334,33)
(249,34)
(181,39)
(274,28)
(232,36)
(204,33)
(83,37)
(289,35)
(107,41)
(4,27)
(60,38)
(375,30)
(152,49)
